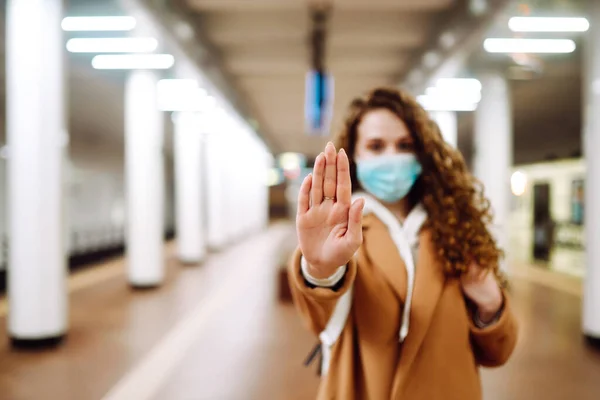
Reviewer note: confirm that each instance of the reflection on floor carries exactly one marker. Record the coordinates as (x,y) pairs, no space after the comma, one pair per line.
(217,332)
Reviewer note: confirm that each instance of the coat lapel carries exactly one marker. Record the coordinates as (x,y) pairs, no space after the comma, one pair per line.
(429,283)
(382,252)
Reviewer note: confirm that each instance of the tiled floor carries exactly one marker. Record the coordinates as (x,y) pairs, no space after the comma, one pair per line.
(217,332)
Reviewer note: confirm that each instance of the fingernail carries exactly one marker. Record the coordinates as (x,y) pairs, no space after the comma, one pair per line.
(342,151)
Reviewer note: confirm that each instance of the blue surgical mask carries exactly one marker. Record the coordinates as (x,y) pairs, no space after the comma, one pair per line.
(389,178)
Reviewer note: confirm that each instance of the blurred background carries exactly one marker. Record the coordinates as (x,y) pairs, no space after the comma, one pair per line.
(151,153)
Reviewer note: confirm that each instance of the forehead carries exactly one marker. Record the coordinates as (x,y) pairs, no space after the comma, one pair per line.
(382,124)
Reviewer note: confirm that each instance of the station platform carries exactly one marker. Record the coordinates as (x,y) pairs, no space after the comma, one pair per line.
(218,331)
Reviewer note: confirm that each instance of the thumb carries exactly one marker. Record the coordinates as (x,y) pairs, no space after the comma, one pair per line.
(355,221)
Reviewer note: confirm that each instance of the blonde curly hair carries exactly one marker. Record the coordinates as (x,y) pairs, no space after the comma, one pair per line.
(459,213)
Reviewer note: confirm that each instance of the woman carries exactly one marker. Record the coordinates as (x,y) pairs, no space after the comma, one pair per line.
(406,299)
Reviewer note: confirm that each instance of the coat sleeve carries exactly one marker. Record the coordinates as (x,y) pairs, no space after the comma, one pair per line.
(494,344)
(316,304)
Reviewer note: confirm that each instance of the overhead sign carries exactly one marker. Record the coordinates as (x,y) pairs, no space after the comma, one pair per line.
(318,107)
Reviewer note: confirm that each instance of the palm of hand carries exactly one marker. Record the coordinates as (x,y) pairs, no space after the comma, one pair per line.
(329,227)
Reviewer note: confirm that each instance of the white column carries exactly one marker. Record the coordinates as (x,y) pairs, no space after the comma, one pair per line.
(35,105)
(215,174)
(231,194)
(448,124)
(188,186)
(591,147)
(266,164)
(237,195)
(494,149)
(144,170)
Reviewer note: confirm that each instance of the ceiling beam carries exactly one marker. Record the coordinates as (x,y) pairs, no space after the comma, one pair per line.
(467,28)
(199,52)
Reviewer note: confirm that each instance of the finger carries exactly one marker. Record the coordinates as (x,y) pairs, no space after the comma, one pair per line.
(355,222)
(475,273)
(317,180)
(330,171)
(468,274)
(344,185)
(483,274)
(304,195)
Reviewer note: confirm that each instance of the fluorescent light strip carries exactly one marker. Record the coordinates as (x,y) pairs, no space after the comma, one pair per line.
(79,24)
(182,95)
(496,45)
(548,24)
(177,84)
(462,96)
(468,84)
(436,104)
(112,45)
(133,61)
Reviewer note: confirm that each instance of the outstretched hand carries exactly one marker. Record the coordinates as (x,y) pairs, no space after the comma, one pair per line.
(329,225)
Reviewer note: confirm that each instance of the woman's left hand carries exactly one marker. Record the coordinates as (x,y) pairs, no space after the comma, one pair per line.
(481,287)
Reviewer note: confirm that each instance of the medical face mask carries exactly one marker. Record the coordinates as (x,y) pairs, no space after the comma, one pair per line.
(389,178)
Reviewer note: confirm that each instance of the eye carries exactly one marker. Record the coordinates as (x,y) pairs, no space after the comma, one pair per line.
(375,145)
(405,146)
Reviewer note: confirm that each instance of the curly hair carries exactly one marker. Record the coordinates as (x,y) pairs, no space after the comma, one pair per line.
(458,212)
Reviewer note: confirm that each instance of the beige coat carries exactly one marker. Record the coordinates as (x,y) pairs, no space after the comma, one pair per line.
(440,357)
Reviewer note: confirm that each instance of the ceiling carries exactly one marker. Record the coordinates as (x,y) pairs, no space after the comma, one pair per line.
(546,90)
(547,114)
(263,47)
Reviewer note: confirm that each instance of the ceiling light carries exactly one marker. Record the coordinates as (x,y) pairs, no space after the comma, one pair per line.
(184,31)
(274,177)
(447,40)
(529,45)
(452,94)
(112,45)
(133,61)
(519,73)
(478,7)
(183,95)
(518,183)
(433,103)
(459,84)
(430,59)
(291,161)
(177,83)
(548,24)
(414,76)
(461,96)
(98,23)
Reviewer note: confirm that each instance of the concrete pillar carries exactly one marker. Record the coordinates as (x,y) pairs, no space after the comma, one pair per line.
(36,135)
(144,172)
(188,187)
(448,124)
(214,165)
(494,149)
(591,147)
